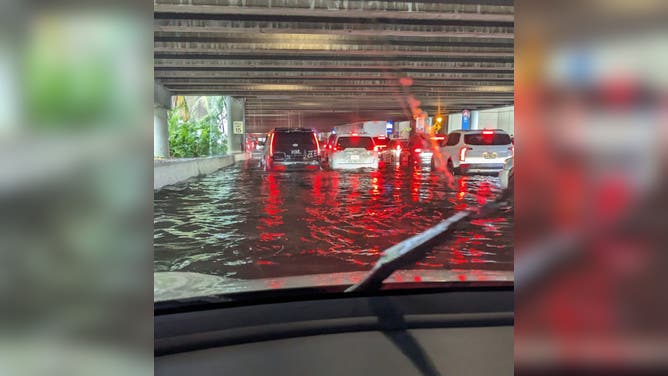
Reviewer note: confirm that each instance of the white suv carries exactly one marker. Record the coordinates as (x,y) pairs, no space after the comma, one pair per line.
(473,151)
(351,151)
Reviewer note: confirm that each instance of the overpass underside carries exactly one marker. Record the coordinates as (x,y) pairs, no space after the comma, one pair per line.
(318,63)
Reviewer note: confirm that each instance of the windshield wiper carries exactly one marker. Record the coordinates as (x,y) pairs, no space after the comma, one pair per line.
(415,247)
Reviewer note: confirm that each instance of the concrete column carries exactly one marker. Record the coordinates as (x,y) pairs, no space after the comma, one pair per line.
(162,101)
(160,132)
(235,112)
(475,117)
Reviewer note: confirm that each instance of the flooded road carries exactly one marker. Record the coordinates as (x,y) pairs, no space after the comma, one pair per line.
(245,223)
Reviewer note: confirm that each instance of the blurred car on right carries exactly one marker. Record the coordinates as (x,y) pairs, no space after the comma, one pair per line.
(507,175)
(476,151)
(381,143)
(396,152)
(423,149)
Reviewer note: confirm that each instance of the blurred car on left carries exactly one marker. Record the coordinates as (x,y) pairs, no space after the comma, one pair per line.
(291,149)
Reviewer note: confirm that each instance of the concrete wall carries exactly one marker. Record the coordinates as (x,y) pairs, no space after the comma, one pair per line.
(497,118)
(500,118)
(173,171)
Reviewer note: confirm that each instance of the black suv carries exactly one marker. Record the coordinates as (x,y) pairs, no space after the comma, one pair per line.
(291,149)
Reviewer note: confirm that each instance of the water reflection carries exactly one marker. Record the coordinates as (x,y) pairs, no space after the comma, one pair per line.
(247,223)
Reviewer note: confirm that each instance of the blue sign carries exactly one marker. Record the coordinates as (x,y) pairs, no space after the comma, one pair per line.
(389,126)
(466,119)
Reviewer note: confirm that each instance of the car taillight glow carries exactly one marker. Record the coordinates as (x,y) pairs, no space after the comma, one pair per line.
(271,146)
(317,143)
(462,153)
(487,132)
(418,150)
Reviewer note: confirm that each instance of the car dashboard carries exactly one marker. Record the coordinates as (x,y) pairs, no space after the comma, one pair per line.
(433,331)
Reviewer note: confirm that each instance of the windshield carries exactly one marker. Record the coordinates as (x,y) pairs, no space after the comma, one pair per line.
(380,87)
(487,139)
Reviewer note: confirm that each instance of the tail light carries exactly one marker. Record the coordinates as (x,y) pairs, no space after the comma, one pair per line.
(271,145)
(317,143)
(462,153)
(417,150)
(487,132)
(512,150)
(376,148)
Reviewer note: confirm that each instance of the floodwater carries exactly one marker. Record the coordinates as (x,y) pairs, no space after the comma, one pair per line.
(245,223)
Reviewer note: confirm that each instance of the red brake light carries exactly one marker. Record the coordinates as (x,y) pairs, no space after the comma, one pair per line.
(271,146)
(462,153)
(354,134)
(487,132)
(418,150)
(398,147)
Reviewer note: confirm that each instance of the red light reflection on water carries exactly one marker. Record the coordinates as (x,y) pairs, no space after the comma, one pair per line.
(353,197)
(317,198)
(272,209)
(483,192)
(416,182)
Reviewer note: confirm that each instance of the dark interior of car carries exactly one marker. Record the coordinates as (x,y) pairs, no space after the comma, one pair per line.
(438,330)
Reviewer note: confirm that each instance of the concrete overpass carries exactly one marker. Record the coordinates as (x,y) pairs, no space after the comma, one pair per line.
(318,63)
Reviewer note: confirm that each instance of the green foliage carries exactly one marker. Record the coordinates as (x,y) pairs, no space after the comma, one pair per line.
(196,137)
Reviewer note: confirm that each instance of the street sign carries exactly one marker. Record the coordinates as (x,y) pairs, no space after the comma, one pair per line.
(466,119)
(238,127)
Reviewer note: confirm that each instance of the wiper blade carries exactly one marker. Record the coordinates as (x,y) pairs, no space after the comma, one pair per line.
(414,248)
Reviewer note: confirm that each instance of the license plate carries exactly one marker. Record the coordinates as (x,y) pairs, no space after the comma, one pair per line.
(295,152)
(354,157)
(489,155)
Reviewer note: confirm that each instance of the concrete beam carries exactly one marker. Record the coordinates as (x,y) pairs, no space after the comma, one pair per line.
(349,14)
(305,75)
(170,51)
(207,29)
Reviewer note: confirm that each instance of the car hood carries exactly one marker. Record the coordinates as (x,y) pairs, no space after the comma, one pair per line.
(181,285)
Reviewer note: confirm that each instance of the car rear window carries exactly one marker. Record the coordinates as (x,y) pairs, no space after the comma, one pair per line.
(487,139)
(294,140)
(453,139)
(355,142)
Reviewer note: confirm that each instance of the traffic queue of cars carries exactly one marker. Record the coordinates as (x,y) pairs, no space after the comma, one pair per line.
(460,152)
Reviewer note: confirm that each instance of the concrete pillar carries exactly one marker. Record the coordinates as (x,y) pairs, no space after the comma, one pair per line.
(160,132)
(162,102)
(236,111)
(475,117)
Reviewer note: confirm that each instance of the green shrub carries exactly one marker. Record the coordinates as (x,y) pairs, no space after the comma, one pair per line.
(195,138)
